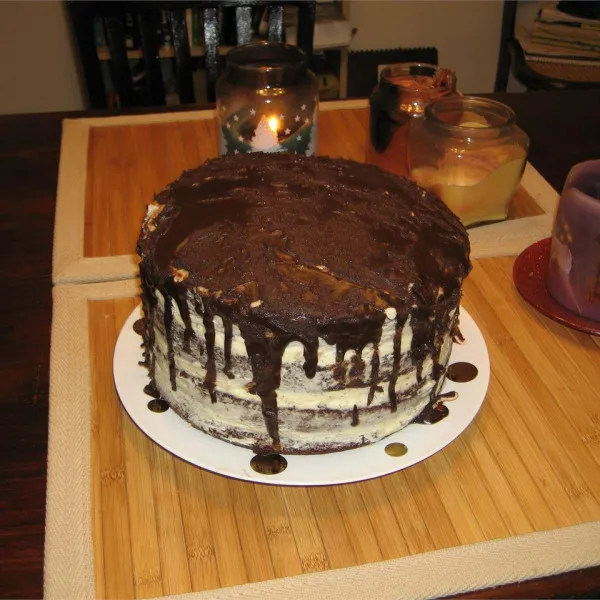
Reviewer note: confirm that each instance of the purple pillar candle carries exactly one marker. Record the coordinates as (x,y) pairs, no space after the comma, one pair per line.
(574,270)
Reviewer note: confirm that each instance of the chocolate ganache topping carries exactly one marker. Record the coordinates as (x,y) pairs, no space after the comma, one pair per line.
(291,248)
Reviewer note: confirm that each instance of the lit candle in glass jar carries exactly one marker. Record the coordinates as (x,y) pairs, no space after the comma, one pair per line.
(267,101)
(471,154)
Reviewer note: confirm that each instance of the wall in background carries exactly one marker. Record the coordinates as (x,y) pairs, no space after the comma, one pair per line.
(38,71)
(466,33)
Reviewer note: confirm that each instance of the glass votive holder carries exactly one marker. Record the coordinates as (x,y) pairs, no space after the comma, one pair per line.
(267,101)
(573,276)
(403,92)
(471,153)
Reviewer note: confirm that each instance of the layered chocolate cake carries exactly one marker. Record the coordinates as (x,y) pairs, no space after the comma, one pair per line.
(299,305)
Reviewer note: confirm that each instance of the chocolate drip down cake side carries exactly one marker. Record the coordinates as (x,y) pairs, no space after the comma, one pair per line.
(299,305)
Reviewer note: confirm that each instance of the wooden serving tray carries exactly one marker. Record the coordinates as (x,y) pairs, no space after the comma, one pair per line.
(111,167)
(517,495)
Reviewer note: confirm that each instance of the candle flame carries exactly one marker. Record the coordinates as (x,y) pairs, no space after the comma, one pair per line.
(273,124)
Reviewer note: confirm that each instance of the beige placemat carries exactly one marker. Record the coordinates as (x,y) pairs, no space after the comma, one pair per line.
(69,565)
(70,265)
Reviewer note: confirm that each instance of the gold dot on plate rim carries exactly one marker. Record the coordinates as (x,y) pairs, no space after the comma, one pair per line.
(157,405)
(268,464)
(396,449)
(462,372)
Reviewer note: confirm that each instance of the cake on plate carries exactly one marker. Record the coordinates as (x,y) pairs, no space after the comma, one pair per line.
(299,304)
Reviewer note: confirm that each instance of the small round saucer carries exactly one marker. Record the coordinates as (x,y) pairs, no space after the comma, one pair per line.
(529,275)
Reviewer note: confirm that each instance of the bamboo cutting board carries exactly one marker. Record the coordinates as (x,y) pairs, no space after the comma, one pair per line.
(515,496)
(111,168)
(528,463)
(128,164)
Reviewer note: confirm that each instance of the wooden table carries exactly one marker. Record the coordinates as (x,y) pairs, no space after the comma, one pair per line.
(563,127)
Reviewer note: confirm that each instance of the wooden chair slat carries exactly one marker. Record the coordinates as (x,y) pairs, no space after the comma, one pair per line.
(148,24)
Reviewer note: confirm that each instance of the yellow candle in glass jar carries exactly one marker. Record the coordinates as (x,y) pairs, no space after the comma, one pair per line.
(471,154)
(474,192)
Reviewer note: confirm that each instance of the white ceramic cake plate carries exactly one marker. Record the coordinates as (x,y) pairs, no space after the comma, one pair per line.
(421,440)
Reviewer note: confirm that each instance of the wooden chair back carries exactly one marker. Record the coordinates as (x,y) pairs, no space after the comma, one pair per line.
(147,17)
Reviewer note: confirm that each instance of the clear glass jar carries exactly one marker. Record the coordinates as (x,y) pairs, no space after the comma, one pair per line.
(403,92)
(267,101)
(471,153)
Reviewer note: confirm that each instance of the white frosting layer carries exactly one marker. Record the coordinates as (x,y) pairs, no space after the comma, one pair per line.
(310,414)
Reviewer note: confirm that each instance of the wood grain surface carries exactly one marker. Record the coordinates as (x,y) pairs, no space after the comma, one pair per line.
(560,125)
(128,164)
(528,463)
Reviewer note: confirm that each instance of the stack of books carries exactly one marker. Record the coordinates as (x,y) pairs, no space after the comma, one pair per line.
(557,36)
